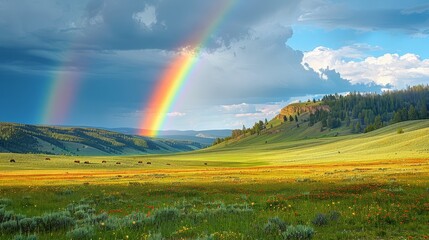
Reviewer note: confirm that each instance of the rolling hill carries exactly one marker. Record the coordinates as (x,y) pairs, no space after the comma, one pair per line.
(336,115)
(21,138)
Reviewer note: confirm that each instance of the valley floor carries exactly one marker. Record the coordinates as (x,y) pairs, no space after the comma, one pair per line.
(367,186)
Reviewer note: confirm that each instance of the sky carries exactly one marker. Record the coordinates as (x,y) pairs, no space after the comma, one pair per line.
(99,62)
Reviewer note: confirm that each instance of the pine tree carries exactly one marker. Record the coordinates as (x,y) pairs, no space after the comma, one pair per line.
(358,127)
(423,110)
(412,113)
(377,122)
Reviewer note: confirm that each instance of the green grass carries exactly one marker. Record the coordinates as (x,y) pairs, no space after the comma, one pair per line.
(366,186)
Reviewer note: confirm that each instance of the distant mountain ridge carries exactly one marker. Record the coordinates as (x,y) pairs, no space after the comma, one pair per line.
(24,138)
(205,137)
(206,133)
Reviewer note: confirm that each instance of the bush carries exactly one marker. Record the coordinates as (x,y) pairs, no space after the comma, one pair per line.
(334,215)
(27,225)
(80,214)
(57,220)
(275,225)
(111,223)
(320,219)
(6,215)
(98,218)
(81,233)
(136,220)
(400,131)
(300,232)
(165,215)
(10,226)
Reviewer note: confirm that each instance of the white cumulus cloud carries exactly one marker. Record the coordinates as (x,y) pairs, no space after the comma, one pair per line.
(353,64)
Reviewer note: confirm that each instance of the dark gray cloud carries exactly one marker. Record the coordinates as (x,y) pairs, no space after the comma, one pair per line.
(119,49)
(407,16)
(112,25)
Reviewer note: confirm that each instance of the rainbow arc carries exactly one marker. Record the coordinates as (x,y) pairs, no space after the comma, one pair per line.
(177,72)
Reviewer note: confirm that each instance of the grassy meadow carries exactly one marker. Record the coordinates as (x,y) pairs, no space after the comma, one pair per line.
(361,186)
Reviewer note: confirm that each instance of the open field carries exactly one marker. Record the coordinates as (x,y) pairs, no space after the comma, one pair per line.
(366,186)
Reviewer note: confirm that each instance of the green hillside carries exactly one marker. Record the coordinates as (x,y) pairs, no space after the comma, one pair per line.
(21,138)
(335,115)
(382,144)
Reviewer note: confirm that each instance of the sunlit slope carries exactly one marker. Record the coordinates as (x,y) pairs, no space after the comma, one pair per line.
(286,131)
(385,143)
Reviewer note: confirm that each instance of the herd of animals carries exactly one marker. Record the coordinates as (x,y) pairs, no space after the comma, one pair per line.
(88,162)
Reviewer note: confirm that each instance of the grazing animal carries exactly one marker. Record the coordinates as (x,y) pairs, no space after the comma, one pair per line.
(118,162)
(86,162)
(12,160)
(47,159)
(148,163)
(103,161)
(77,161)
(140,161)
(168,164)
(205,163)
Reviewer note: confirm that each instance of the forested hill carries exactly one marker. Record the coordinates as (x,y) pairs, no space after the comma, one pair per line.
(367,112)
(21,138)
(336,114)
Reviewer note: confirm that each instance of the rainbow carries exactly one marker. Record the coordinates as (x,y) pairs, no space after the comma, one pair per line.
(60,96)
(174,77)
(62,90)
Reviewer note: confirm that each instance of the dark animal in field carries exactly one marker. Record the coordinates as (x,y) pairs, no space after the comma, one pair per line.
(168,164)
(76,161)
(205,163)
(103,161)
(12,160)
(86,162)
(148,163)
(140,161)
(47,159)
(118,162)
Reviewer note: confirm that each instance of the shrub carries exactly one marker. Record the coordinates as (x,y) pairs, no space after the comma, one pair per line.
(300,232)
(400,131)
(57,220)
(99,218)
(165,215)
(6,215)
(10,226)
(275,225)
(334,215)
(136,220)
(80,214)
(27,225)
(320,219)
(111,223)
(81,233)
